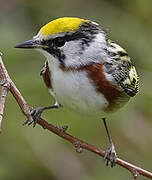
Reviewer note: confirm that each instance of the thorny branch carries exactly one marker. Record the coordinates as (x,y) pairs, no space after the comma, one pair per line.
(8,85)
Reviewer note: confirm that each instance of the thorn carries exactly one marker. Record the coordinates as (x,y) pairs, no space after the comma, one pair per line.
(62,128)
(135,173)
(78,147)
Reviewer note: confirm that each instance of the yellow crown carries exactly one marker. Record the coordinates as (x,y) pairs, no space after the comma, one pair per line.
(65,24)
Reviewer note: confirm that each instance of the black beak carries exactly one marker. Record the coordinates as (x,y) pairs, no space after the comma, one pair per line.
(28,44)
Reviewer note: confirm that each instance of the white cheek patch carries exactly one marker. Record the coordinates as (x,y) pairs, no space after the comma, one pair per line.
(77,56)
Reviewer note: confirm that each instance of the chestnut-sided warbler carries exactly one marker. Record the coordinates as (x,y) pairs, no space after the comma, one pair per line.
(85,71)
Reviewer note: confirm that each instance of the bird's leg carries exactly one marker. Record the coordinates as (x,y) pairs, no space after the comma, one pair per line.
(36,113)
(110,154)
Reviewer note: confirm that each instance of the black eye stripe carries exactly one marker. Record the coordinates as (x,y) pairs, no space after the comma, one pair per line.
(47,42)
(59,41)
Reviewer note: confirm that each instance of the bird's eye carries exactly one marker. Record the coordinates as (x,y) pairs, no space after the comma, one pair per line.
(59,41)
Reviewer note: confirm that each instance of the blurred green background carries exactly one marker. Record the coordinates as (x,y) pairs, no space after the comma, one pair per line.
(27,153)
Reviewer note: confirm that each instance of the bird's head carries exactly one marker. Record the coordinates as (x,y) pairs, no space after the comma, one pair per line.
(69,42)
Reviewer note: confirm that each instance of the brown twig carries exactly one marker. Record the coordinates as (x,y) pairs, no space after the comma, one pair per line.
(4,93)
(79,144)
(3,96)
(8,83)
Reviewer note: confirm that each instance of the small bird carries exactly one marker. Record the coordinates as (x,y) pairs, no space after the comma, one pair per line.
(85,71)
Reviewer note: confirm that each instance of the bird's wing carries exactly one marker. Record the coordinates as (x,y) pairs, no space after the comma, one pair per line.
(122,69)
(126,77)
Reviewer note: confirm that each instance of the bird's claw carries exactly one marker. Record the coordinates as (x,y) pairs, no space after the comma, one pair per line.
(4,83)
(36,114)
(110,156)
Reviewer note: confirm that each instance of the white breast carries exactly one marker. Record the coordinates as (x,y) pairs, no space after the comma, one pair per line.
(74,91)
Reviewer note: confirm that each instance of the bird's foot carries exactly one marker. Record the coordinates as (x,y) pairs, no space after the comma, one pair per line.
(4,83)
(36,114)
(110,155)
